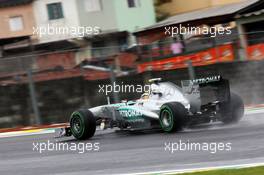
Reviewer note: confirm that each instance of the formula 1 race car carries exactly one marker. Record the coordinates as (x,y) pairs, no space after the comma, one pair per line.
(164,106)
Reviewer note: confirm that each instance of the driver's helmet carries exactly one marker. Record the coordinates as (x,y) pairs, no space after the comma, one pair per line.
(145,96)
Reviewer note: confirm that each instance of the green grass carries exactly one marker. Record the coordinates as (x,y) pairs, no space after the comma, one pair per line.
(243,171)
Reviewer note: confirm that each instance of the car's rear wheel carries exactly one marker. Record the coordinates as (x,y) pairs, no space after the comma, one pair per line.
(233,110)
(172,116)
(83,124)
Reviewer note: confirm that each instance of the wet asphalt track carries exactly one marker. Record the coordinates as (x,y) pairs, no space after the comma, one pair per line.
(137,152)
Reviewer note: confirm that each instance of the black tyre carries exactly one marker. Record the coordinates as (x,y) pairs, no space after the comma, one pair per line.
(83,124)
(233,110)
(172,116)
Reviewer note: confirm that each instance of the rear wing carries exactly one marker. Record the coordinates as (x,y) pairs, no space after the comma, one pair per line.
(205,90)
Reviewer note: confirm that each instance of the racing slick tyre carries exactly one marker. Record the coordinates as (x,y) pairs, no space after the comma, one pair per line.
(232,111)
(83,124)
(172,116)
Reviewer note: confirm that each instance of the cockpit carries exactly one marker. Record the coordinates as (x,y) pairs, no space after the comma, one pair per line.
(162,91)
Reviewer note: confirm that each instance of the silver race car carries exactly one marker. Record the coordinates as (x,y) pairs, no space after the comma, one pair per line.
(165,105)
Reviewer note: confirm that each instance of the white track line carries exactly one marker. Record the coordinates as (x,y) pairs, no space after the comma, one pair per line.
(254,111)
(26,133)
(193,170)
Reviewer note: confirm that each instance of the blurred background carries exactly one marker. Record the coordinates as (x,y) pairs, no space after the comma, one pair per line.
(43,78)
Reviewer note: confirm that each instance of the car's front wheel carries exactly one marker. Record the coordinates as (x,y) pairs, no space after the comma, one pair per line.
(83,124)
(172,116)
